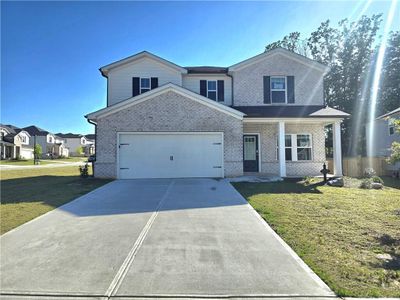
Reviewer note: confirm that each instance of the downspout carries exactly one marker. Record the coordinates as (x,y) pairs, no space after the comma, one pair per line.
(95,142)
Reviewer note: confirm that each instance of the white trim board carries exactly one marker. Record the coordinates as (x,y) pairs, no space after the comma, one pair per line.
(259,147)
(288,54)
(160,90)
(144,54)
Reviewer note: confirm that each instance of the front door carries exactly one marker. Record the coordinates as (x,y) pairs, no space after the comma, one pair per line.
(250,153)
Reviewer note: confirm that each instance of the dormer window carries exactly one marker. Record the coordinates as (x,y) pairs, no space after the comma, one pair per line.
(144,85)
(278,89)
(212,89)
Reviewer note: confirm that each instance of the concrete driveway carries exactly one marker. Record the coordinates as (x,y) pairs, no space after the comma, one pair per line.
(153,238)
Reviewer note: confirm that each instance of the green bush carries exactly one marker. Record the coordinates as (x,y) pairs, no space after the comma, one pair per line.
(37,151)
(377,179)
(84,170)
(366,183)
(308,180)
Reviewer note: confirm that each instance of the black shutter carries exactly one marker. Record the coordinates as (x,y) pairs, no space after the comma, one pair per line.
(290,89)
(135,86)
(267,89)
(203,88)
(154,82)
(221,92)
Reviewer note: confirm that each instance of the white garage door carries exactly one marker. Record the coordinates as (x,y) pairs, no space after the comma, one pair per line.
(170,155)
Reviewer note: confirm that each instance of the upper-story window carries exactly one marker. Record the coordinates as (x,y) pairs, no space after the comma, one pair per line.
(50,139)
(212,89)
(23,139)
(278,89)
(144,85)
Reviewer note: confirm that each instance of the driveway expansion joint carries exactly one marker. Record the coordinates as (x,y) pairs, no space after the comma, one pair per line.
(123,270)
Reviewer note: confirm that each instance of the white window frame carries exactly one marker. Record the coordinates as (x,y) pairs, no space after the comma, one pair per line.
(309,147)
(216,90)
(140,85)
(24,139)
(293,139)
(50,140)
(278,90)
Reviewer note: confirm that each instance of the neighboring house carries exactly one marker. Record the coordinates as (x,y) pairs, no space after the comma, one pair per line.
(15,143)
(266,114)
(74,142)
(383,135)
(91,138)
(52,145)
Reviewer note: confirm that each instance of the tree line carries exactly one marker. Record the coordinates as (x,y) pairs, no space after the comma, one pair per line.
(350,50)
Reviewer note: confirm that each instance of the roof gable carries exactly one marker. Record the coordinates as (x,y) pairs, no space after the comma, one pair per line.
(34,130)
(393,112)
(144,54)
(158,91)
(279,51)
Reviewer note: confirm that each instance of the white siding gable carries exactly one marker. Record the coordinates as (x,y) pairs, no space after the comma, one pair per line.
(120,78)
(192,83)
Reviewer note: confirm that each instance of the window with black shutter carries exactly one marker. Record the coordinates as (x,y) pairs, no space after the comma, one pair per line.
(212,89)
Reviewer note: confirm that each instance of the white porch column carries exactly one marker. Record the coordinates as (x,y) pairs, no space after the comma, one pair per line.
(337,149)
(281,147)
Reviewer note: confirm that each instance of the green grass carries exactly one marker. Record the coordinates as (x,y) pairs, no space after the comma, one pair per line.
(27,162)
(71,159)
(23,162)
(29,193)
(338,232)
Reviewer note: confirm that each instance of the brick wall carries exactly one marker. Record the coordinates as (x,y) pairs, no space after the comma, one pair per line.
(268,137)
(248,88)
(168,112)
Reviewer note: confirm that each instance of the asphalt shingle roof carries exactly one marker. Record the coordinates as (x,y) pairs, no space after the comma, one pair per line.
(292,111)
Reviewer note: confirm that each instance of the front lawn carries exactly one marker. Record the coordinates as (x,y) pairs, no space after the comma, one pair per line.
(23,162)
(29,193)
(350,237)
(29,162)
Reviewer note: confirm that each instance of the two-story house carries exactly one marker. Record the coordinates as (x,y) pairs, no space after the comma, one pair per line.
(15,143)
(381,133)
(52,145)
(77,144)
(265,114)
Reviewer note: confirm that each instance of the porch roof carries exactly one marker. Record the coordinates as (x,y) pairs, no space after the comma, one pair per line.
(291,111)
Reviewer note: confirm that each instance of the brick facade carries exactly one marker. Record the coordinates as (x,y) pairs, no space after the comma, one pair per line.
(268,149)
(248,88)
(168,112)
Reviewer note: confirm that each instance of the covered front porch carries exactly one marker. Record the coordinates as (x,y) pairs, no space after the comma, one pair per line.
(9,150)
(289,147)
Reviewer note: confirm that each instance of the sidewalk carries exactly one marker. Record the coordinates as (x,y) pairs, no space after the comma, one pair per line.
(52,165)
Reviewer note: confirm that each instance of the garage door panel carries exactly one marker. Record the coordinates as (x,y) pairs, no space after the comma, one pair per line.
(170,155)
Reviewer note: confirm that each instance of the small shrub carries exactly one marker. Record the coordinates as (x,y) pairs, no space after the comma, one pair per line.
(369,173)
(377,179)
(308,180)
(84,170)
(366,183)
